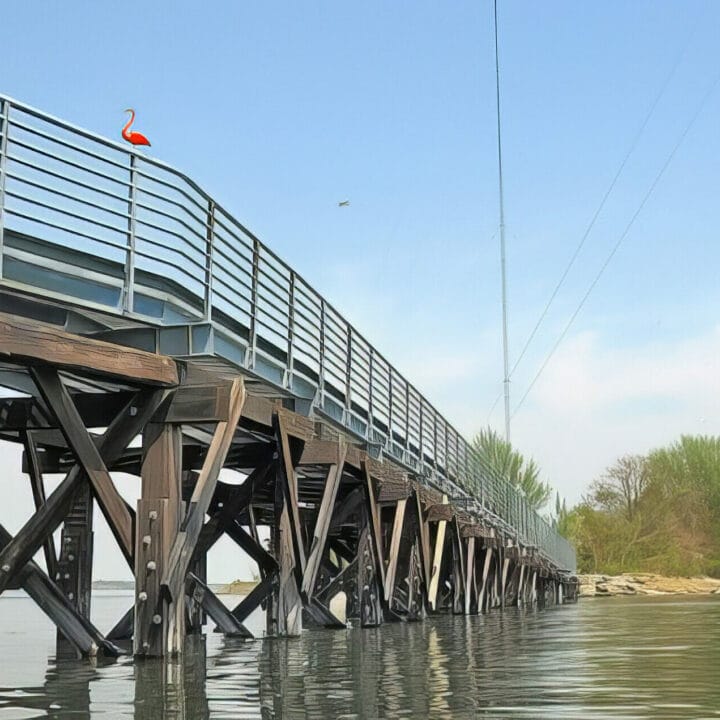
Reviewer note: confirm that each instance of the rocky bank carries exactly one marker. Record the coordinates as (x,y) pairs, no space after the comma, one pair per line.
(645,584)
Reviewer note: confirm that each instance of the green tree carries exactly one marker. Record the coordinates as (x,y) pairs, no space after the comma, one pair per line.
(499,459)
(659,513)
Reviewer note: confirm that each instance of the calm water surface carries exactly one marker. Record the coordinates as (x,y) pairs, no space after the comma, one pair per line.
(605,658)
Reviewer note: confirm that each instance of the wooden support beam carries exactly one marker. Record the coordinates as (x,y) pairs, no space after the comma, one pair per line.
(115,509)
(373,519)
(322,524)
(284,616)
(322,615)
(78,630)
(184,546)
(31,342)
(469,574)
(75,563)
(159,625)
(423,543)
(437,561)
(257,595)
(116,438)
(288,482)
(254,549)
(123,628)
(394,551)
(484,586)
(228,509)
(195,404)
(38,492)
(224,619)
(368,589)
(458,568)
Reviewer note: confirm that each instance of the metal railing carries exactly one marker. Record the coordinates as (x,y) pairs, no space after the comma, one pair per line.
(88,220)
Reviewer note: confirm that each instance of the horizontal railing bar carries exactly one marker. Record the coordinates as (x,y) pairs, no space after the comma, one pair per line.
(64,228)
(157,211)
(178,236)
(65,143)
(63,211)
(348,360)
(201,219)
(13,142)
(174,251)
(65,179)
(67,196)
(176,188)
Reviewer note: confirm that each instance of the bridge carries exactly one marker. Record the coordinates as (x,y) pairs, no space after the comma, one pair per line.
(132,304)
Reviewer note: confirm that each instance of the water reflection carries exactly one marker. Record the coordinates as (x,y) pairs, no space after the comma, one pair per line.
(634,658)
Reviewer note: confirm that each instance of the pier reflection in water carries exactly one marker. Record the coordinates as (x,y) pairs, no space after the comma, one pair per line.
(634,658)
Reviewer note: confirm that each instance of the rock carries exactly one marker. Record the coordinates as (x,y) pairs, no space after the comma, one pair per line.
(645,584)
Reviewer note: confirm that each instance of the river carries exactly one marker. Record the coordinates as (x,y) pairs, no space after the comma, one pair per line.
(601,658)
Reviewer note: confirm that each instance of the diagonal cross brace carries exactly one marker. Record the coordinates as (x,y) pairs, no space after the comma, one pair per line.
(44,522)
(78,630)
(183,548)
(322,524)
(117,513)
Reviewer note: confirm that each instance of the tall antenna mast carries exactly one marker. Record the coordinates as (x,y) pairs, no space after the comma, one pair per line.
(506,362)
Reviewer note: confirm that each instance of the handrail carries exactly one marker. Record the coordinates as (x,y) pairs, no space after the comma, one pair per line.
(235,281)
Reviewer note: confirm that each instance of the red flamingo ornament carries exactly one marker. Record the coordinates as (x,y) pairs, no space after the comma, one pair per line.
(134,138)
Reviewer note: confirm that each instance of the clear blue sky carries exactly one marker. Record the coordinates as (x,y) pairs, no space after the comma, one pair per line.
(280,110)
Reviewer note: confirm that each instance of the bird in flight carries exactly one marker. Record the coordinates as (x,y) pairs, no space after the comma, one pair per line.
(344,203)
(134,138)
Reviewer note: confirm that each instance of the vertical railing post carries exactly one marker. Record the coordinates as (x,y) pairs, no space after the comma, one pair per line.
(254,301)
(348,368)
(391,411)
(291,330)
(407,413)
(5,125)
(129,280)
(321,356)
(421,428)
(371,370)
(209,243)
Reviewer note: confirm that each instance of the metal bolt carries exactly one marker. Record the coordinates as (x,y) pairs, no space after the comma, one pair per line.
(152,515)
(133,411)
(146,645)
(142,597)
(70,596)
(146,540)
(67,576)
(157,619)
(71,557)
(220,504)
(6,568)
(151,566)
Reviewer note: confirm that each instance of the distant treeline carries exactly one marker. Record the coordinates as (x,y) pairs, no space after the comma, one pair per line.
(657,513)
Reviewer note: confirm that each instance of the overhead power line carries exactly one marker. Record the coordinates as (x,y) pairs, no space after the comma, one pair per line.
(605,197)
(622,237)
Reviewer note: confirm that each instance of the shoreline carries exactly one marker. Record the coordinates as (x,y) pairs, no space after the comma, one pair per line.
(596,585)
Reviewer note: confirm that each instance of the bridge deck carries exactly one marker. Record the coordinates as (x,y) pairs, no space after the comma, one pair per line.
(133,251)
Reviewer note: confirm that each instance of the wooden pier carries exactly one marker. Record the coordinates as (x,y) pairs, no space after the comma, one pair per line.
(339,520)
(132,305)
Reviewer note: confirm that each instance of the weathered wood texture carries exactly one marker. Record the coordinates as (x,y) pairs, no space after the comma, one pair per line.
(158,517)
(184,545)
(116,511)
(116,438)
(33,342)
